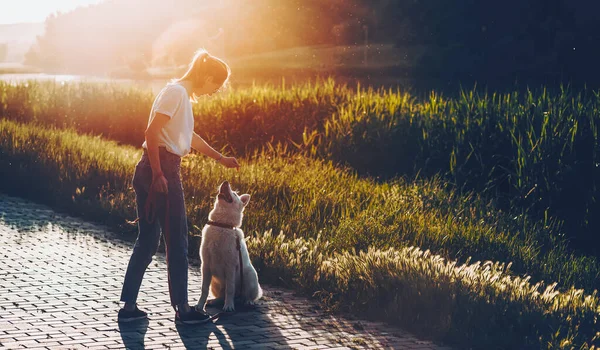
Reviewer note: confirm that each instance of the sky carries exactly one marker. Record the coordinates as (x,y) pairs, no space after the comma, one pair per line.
(18,11)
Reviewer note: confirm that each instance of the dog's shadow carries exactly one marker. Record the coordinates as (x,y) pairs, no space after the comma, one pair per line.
(197,336)
(133,334)
(247,326)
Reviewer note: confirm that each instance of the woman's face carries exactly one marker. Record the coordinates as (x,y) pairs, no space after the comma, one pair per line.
(208,88)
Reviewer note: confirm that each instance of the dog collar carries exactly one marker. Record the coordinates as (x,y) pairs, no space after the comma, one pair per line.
(214,223)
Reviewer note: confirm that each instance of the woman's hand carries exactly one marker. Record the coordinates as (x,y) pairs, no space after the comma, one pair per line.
(229,162)
(159,183)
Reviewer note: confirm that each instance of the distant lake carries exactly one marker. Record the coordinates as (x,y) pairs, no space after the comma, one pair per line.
(154,84)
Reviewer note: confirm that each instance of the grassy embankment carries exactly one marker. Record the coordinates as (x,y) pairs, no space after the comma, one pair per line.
(535,154)
(325,213)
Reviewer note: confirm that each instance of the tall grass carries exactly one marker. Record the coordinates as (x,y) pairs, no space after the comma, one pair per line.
(539,152)
(476,305)
(241,120)
(536,151)
(346,238)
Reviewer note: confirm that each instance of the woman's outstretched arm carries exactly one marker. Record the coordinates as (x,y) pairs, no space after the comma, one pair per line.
(201,146)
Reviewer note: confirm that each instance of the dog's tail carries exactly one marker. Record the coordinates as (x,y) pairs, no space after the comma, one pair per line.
(255,294)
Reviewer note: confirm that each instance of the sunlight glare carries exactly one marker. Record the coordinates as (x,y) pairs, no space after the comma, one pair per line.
(37,10)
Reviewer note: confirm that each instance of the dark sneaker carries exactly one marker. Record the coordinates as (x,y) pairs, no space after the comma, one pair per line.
(129,316)
(192,317)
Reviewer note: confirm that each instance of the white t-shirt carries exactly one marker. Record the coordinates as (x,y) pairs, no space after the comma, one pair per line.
(173,101)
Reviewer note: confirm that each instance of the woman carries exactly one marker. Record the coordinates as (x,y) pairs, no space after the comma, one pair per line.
(157,183)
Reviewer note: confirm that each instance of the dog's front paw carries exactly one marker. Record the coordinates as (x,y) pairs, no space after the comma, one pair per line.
(228,308)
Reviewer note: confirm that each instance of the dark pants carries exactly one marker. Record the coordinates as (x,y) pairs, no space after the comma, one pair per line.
(149,232)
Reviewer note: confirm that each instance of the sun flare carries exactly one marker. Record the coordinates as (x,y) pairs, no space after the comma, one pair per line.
(37,10)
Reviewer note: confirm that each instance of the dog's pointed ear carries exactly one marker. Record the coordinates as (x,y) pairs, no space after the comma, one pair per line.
(245,198)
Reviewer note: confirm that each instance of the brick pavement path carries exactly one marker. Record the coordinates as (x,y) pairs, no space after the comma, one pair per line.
(60,282)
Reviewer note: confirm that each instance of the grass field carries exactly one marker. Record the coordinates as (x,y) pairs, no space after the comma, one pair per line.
(343,239)
(536,153)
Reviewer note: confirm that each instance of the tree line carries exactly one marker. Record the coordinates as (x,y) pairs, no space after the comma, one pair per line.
(468,38)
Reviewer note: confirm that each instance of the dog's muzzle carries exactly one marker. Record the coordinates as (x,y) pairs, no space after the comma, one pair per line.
(225,192)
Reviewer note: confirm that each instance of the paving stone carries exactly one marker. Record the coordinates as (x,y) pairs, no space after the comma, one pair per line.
(61,280)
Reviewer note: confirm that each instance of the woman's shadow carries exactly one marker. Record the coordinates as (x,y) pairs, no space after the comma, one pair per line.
(245,327)
(133,333)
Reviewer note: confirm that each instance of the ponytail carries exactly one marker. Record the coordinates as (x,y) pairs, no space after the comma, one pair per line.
(204,65)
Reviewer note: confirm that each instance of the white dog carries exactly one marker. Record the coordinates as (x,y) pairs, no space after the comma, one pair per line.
(224,254)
